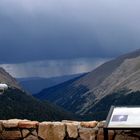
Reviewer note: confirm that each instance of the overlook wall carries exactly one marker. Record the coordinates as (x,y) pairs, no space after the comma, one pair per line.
(16,129)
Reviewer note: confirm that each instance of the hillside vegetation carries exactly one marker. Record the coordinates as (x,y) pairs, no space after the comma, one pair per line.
(15,103)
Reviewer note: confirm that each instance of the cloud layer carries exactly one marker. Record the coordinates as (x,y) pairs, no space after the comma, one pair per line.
(33,30)
(55,37)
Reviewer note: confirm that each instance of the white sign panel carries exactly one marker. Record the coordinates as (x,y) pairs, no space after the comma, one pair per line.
(123,117)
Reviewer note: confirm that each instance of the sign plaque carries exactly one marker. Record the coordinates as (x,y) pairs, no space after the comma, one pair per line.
(122,118)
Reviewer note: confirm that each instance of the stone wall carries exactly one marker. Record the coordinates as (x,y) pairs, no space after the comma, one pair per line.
(16,129)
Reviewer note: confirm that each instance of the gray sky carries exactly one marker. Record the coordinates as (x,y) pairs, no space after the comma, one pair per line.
(63,32)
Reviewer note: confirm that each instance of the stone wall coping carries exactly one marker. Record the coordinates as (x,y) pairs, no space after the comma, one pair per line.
(15,129)
(12,123)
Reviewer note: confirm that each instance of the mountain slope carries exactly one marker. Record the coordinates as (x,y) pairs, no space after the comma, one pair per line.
(15,103)
(82,95)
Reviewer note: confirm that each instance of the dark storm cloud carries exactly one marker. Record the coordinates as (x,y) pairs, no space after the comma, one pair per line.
(33,30)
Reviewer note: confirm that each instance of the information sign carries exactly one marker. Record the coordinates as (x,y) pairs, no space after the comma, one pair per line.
(125,117)
(122,118)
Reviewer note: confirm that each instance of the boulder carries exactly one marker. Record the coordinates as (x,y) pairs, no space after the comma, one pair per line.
(51,131)
(10,135)
(28,124)
(87,134)
(12,123)
(25,132)
(31,137)
(101,124)
(72,130)
(34,132)
(90,124)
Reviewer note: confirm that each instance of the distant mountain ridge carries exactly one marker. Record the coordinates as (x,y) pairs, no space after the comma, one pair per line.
(88,94)
(36,84)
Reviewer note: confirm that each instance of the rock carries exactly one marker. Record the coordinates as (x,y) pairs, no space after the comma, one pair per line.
(111,134)
(25,132)
(87,134)
(10,135)
(101,124)
(69,121)
(51,131)
(101,131)
(72,130)
(13,123)
(28,124)
(90,124)
(120,137)
(43,129)
(34,133)
(31,137)
(100,135)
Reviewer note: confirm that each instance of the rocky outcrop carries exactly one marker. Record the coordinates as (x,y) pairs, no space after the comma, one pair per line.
(16,129)
(6,78)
